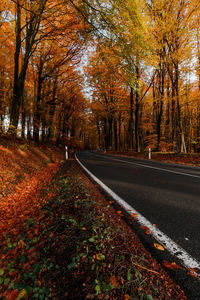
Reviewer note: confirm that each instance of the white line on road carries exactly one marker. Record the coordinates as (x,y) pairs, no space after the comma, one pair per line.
(187,260)
(147,166)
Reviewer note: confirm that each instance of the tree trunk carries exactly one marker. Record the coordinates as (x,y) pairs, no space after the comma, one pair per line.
(17,85)
(36,116)
(137,106)
(131,123)
(115,135)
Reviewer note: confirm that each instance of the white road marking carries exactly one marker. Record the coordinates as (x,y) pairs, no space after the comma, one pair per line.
(147,166)
(187,260)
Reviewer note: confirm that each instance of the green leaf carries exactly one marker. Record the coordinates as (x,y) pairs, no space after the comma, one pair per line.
(129,275)
(98,288)
(93,267)
(1,272)
(9,243)
(149,297)
(6,281)
(11,285)
(101,256)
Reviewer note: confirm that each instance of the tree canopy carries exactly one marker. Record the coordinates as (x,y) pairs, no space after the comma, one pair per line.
(108,74)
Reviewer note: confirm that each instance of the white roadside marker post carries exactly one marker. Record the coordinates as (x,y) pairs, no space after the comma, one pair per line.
(149,153)
(66,152)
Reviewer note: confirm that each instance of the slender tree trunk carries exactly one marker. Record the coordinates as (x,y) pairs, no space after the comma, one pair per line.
(29,137)
(99,134)
(36,116)
(52,108)
(23,120)
(160,102)
(115,134)
(110,132)
(137,107)
(131,122)
(181,134)
(119,132)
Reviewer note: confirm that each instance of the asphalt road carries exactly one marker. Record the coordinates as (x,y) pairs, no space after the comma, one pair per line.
(167,195)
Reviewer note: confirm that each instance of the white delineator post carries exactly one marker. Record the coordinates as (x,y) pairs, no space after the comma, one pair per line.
(149,153)
(66,152)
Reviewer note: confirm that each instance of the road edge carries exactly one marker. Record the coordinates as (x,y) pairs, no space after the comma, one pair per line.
(183,277)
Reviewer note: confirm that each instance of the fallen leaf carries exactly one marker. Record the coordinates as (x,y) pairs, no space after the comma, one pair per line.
(13,295)
(193,274)
(113,280)
(22,294)
(159,247)
(134,215)
(172,265)
(176,266)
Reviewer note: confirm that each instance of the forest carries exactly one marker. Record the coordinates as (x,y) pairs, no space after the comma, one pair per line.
(101,74)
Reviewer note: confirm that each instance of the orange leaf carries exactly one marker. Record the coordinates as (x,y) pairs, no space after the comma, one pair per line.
(113,280)
(134,215)
(172,265)
(39,283)
(159,247)
(192,274)
(98,257)
(192,270)
(126,297)
(176,266)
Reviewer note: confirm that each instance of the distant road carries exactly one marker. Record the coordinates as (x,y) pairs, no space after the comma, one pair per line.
(167,195)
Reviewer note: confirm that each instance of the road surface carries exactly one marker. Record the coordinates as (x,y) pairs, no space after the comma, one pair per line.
(167,195)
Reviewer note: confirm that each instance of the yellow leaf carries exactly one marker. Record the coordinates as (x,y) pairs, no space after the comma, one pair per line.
(22,294)
(159,247)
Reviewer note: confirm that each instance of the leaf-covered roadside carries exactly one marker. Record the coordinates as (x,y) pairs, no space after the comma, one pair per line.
(20,161)
(78,247)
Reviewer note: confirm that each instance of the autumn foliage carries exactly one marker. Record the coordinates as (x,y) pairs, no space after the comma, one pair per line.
(109,75)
